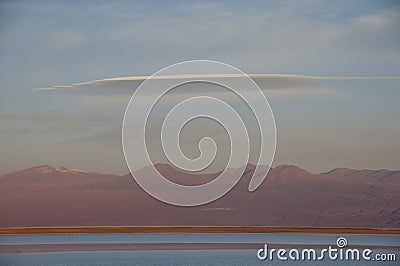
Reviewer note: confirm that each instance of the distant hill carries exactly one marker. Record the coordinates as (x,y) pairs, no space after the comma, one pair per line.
(290,196)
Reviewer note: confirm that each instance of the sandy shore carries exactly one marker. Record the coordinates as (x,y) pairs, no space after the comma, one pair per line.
(195,229)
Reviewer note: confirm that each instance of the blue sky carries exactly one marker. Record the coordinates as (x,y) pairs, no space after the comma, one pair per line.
(47,43)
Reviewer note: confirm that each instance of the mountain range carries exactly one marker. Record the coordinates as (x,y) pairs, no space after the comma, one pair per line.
(289,196)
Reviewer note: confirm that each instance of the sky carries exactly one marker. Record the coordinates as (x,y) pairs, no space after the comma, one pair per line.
(330,70)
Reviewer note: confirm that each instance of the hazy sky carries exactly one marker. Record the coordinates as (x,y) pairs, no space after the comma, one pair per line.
(322,123)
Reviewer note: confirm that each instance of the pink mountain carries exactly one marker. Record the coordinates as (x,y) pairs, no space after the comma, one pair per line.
(290,196)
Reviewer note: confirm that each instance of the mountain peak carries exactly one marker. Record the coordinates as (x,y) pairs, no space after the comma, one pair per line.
(339,170)
(286,173)
(289,168)
(48,169)
(41,169)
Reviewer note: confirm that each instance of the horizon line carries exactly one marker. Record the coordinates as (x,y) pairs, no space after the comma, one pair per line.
(64,168)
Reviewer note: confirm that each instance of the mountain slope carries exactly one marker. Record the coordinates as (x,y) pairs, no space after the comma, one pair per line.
(50,196)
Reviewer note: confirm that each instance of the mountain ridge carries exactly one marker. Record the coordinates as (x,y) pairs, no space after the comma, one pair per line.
(289,196)
(48,169)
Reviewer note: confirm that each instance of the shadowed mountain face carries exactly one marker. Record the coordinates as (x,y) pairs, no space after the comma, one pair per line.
(290,196)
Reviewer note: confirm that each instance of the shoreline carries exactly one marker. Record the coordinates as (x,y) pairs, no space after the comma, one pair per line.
(194,229)
(39,248)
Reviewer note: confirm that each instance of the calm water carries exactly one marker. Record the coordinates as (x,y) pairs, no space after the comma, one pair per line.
(181,257)
(200,238)
(193,257)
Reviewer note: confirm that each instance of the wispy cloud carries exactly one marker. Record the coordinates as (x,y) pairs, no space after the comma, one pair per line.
(256,77)
(275,85)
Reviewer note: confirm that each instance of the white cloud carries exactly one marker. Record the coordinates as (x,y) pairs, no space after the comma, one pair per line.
(273,85)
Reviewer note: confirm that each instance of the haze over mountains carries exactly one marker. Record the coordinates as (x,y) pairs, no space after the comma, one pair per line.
(290,196)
